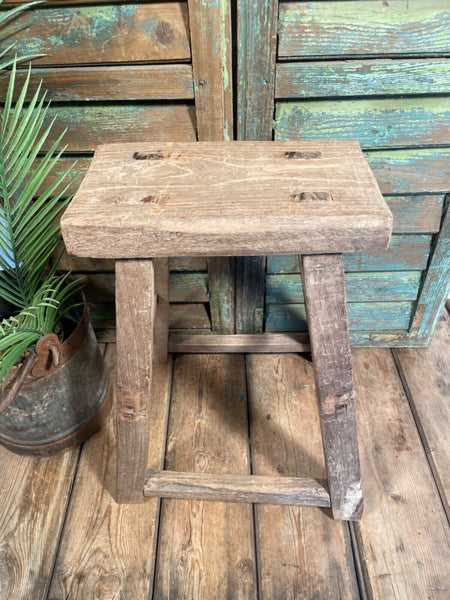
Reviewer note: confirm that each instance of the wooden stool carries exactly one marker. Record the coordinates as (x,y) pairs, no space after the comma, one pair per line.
(143,203)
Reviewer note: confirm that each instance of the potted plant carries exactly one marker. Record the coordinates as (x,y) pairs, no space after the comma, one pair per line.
(53,381)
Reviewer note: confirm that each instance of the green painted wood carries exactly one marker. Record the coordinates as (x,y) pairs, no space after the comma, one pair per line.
(89,125)
(412,170)
(221,285)
(369,27)
(416,214)
(384,286)
(362,78)
(112,33)
(405,253)
(361,316)
(436,287)
(257,22)
(374,123)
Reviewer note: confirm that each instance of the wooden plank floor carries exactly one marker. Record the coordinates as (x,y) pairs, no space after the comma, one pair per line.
(62,536)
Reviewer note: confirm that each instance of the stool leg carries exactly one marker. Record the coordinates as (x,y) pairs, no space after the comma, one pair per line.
(135,297)
(161,326)
(324,291)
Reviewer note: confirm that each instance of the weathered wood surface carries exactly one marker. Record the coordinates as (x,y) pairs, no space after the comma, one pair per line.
(426,377)
(257,45)
(131,82)
(343,28)
(324,290)
(382,286)
(221,293)
(362,78)
(34,494)
(89,125)
(416,214)
(302,552)
(135,299)
(361,316)
(161,322)
(386,122)
(245,214)
(210,30)
(405,253)
(402,538)
(238,343)
(250,293)
(105,34)
(205,548)
(234,487)
(436,287)
(113,546)
(183,287)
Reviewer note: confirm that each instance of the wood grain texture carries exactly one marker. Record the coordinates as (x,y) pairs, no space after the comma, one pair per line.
(302,552)
(205,548)
(370,287)
(339,28)
(234,487)
(362,316)
(105,34)
(257,44)
(324,291)
(405,253)
(107,83)
(221,293)
(426,376)
(416,214)
(362,78)
(246,214)
(436,287)
(210,30)
(161,323)
(34,494)
(238,343)
(387,122)
(89,125)
(250,292)
(403,536)
(108,550)
(135,299)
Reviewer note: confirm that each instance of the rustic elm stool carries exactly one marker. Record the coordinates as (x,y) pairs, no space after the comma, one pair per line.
(143,203)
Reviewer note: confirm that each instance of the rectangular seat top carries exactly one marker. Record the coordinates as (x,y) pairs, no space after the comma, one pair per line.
(226,199)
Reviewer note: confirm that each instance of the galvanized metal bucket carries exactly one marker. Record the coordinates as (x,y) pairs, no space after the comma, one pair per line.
(59,398)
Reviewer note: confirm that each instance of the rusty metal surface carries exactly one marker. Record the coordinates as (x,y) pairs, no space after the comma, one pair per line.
(52,407)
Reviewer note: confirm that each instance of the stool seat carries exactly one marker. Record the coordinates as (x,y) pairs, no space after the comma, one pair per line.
(226,199)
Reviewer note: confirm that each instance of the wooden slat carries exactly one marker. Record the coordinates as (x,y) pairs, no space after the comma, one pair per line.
(416,214)
(341,28)
(405,253)
(184,287)
(161,323)
(362,78)
(210,29)
(135,297)
(131,82)
(108,549)
(238,343)
(35,493)
(302,552)
(90,125)
(114,33)
(362,316)
(426,376)
(411,171)
(386,122)
(227,487)
(205,548)
(382,286)
(436,287)
(403,536)
(256,56)
(324,289)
